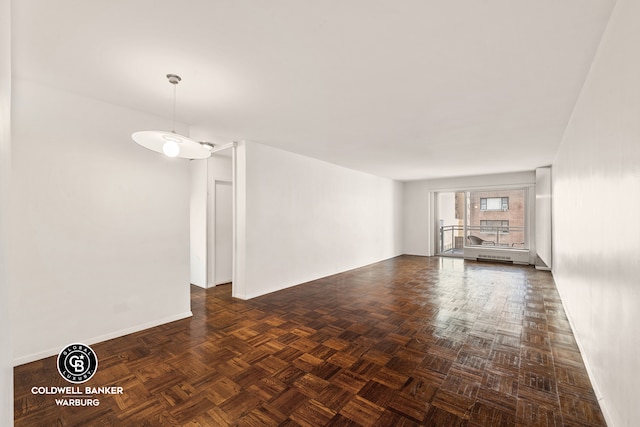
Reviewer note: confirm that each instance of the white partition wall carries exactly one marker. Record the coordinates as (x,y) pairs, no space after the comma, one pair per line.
(198,211)
(300,219)
(596,205)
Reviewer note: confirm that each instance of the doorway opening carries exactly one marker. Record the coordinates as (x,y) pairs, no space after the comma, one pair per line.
(213,218)
(220,229)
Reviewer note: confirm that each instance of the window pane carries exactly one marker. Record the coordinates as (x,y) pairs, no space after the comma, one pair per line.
(497,217)
(494,204)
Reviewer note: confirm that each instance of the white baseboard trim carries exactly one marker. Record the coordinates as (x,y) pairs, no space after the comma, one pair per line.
(242,297)
(90,341)
(200,286)
(601,399)
(221,282)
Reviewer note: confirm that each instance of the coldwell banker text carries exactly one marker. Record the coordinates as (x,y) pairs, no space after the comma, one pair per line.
(77,396)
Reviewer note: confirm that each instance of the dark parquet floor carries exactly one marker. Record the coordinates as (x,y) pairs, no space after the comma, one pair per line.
(405,342)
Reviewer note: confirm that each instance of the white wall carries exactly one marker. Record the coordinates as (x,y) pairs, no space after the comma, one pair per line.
(418,209)
(596,194)
(301,219)
(543,218)
(198,223)
(6,339)
(100,241)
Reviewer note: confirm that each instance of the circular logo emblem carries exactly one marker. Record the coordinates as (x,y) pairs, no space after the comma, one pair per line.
(77,363)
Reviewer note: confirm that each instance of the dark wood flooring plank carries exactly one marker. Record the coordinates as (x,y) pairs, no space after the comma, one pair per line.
(405,342)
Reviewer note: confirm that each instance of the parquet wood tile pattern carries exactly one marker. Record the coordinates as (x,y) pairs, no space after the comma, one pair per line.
(406,342)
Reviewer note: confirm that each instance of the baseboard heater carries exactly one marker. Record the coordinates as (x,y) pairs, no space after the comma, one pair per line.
(487,253)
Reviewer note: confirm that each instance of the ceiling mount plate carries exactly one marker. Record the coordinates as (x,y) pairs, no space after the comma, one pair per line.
(174,78)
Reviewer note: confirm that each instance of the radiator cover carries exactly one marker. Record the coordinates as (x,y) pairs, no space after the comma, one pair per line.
(488,253)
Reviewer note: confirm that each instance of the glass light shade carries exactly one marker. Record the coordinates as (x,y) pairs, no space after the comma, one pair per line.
(171,149)
(156,140)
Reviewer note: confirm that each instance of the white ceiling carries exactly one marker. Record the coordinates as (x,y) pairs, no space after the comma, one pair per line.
(406,89)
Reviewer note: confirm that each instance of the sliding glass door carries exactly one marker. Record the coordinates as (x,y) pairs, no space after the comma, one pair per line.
(450,212)
(495,218)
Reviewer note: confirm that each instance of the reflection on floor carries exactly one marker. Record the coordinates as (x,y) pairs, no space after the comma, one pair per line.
(408,341)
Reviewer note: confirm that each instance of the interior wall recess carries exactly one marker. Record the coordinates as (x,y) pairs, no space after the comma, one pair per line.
(543,219)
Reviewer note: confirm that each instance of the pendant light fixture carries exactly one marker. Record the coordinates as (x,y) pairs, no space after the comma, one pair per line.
(171,143)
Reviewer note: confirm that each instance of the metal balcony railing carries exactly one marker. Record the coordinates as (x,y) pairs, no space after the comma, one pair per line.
(453,237)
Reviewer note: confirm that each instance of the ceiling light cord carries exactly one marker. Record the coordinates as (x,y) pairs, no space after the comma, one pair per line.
(174,108)
(174,79)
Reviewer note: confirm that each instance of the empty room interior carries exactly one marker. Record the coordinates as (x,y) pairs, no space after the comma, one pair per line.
(365,213)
